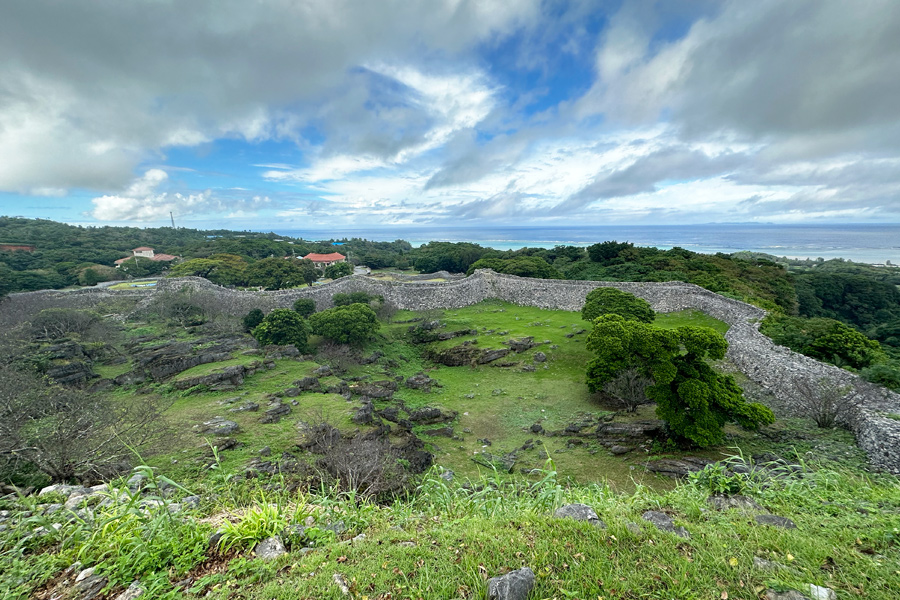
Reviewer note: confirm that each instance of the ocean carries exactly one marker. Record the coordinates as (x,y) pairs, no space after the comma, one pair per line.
(864,243)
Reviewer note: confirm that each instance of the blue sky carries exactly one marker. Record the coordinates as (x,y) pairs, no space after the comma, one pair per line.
(279,114)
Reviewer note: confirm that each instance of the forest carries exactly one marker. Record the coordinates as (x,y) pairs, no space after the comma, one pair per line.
(837,311)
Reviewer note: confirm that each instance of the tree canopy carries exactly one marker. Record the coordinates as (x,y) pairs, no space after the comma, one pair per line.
(693,400)
(608,300)
(283,326)
(350,324)
(338,270)
(280,273)
(523,266)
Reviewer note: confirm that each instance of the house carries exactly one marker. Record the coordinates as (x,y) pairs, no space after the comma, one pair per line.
(323,261)
(145,252)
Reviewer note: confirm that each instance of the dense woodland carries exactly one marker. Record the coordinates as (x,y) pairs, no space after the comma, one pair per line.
(837,311)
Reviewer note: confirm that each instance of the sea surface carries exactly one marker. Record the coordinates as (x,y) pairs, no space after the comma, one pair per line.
(864,243)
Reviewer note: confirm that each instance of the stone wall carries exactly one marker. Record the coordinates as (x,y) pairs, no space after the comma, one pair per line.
(774,367)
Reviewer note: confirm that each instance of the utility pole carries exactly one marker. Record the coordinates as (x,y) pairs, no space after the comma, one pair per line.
(173,219)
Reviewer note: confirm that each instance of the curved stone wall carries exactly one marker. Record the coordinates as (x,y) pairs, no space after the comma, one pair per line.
(774,367)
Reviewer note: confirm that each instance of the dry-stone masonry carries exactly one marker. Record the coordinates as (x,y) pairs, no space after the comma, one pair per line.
(774,367)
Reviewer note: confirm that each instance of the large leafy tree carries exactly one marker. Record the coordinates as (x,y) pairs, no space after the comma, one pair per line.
(338,270)
(223,269)
(824,339)
(693,400)
(281,273)
(283,326)
(523,266)
(607,300)
(351,324)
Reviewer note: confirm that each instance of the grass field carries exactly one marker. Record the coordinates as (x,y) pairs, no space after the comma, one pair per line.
(497,404)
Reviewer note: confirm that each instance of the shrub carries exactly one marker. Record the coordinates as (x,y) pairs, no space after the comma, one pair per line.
(283,326)
(607,300)
(305,306)
(352,324)
(252,319)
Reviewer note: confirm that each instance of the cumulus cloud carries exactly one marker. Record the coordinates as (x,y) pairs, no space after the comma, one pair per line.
(89,90)
(144,201)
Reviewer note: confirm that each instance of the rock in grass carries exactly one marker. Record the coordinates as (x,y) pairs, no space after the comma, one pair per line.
(821,593)
(775,521)
(579,512)
(135,590)
(515,585)
(664,522)
(722,503)
(270,548)
(788,595)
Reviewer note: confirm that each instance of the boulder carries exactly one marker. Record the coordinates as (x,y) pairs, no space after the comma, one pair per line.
(246,407)
(515,585)
(323,371)
(270,548)
(664,522)
(619,450)
(428,415)
(775,521)
(539,357)
(579,512)
(218,426)
(738,502)
(308,384)
(677,467)
(488,356)
(518,345)
(274,414)
(420,381)
(365,415)
(135,590)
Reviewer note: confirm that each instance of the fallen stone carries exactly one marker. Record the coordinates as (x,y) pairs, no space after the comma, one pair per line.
(308,384)
(265,451)
(664,522)
(270,548)
(579,512)
(539,357)
(775,521)
(821,593)
(788,595)
(677,467)
(248,407)
(515,585)
(618,450)
(420,382)
(365,415)
(135,590)
(274,414)
(537,428)
(737,502)
(219,426)
(766,565)
(323,371)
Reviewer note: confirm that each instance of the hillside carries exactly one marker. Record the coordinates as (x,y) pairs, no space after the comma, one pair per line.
(332,452)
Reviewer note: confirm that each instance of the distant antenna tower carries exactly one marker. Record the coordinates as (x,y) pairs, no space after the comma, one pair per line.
(173,219)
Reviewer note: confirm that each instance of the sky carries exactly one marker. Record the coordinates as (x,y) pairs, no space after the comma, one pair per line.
(292,114)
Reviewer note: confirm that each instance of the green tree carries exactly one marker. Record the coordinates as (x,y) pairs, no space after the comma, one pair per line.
(693,400)
(338,270)
(823,339)
(304,307)
(523,266)
(351,324)
(608,300)
(281,273)
(283,326)
(252,319)
(90,277)
(222,269)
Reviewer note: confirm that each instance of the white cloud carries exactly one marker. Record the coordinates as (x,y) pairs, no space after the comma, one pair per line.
(143,201)
(89,91)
